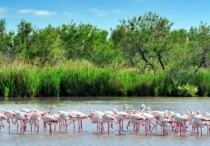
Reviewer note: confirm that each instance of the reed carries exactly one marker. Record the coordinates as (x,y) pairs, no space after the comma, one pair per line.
(81,78)
(203,82)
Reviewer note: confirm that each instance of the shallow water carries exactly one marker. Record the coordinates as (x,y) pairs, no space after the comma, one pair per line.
(89,135)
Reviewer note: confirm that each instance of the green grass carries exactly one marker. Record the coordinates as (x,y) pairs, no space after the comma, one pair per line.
(81,78)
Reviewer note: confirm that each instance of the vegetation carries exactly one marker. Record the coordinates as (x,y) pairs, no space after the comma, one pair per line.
(142,56)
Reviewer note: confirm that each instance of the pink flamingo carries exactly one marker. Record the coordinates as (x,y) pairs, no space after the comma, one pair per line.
(10,115)
(49,119)
(79,116)
(164,122)
(22,117)
(62,117)
(199,121)
(120,117)
(148,122)
(136,119)
(2,117)
(96,117)
(180,122)
(109,119)
(35,117)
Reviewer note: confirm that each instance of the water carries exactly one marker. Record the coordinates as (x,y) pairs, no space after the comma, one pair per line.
(89,135)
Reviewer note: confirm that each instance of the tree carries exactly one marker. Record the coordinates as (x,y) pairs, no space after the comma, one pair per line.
(178,58)
(45,46)
(22,40)
(199,43)
(6,41)
(103,50)
(85,41)
(146,36)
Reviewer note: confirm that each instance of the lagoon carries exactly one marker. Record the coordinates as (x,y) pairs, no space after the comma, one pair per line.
(89,135)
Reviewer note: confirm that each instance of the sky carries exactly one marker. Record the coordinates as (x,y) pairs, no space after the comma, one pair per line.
(104,14)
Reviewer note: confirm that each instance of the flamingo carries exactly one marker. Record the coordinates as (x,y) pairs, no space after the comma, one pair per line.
(136,119)
(109,119)
(109,113)
(79,116)
(120,117)
(2,117)
(148,122)
(96,117)
(180,122)
(199,120)
(22,117)
(49,119)
(125,107)
(10,115)
(35,117)
(207,115)
(62,117)
(52,109)
(164,122)
(153,112)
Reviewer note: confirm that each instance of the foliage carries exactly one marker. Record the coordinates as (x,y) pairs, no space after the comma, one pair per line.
(141,56)
(187,90)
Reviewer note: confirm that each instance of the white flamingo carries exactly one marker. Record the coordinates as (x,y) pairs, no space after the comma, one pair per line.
(49,119)
(63,116)
(109,119)
(164,122)
(136,119)
(22,117)
(10,115)
(2,118)
(179,121)
(120,117)
(79,116)
(35,117)
(96,117)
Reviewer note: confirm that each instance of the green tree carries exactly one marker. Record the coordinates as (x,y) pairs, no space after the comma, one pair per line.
(145,36)
(178,58)
(6,41)
(199,45)
(103,50)
(45,46)
(85,41)
(22,40)
(78,40)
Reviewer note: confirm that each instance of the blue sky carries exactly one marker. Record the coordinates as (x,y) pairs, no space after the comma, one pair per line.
(104,14)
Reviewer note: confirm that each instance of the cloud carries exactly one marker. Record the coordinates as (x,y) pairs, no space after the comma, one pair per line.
(99,13)
(102,13)
(68,13)
(36,12)
(116,11)
(44,13)
(3,11)
(25,11)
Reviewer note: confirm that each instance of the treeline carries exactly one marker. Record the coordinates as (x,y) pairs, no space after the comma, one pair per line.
(141,56)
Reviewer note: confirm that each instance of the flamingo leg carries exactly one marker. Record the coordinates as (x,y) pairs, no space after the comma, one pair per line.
(50,132)
(8,121)
(108,127)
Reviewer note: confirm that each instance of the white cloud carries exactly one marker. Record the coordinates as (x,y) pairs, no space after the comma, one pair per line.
(99,13)
(68,13)
(116,11)
(26,11)
(102,13)
(44,13)
(36,12)
(3,11)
